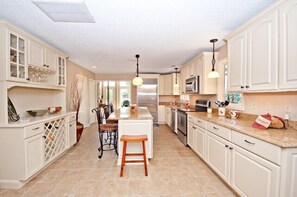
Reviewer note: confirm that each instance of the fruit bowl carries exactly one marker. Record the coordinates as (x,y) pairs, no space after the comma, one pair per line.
(39,112)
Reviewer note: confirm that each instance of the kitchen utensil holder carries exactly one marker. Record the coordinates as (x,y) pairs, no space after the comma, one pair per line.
(222,111)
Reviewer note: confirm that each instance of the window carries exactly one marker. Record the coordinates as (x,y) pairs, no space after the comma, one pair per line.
(235,98)
(114,92)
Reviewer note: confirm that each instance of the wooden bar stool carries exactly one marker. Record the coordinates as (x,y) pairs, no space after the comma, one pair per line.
(133,138)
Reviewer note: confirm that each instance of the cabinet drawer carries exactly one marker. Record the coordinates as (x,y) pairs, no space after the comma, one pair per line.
(72,118)
(219,130)
(192,119)
(33,130)
(201,123)
(259,147)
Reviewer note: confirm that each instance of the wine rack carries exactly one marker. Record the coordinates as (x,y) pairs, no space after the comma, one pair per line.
(55,138)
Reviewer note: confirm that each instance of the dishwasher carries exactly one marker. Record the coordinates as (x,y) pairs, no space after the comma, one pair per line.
(174,120)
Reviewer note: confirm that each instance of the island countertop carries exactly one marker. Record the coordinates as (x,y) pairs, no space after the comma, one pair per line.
(124,113)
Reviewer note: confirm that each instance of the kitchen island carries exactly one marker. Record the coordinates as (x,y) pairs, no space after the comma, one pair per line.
(134,122)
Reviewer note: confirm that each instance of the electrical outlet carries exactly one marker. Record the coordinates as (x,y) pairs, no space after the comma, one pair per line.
(286,117)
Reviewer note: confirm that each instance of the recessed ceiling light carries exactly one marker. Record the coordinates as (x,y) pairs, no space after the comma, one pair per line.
(65,11)
(94,66)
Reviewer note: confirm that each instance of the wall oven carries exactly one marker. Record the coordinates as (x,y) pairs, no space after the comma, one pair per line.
(192,85)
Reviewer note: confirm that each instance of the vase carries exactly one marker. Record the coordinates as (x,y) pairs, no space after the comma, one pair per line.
(79,130)
(222,111)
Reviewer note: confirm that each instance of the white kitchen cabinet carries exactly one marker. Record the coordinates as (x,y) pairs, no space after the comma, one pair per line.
(36,54)
(61,71)
(34,154)
(161,114)
(168,86)
(218,155)
(262,53)
(18,69)
(168,116)
(237,61)
(50,59)
(252,175)
(287,45)
(161,84)
(71,130)
(191,137)
(182,84)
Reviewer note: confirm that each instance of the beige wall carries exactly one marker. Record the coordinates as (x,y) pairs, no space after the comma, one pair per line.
(72,70)
(276,103)
(119,77)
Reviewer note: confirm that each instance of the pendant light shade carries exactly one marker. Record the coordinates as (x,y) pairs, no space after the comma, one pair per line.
(137,81)
(213,73)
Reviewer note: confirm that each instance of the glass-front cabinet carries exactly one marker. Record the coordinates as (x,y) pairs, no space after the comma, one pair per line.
(17,57)
(62,71)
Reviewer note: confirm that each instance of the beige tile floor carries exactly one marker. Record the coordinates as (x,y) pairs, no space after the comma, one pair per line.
(175,171)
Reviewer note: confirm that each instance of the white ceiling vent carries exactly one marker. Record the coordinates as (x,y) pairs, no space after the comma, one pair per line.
(65,11)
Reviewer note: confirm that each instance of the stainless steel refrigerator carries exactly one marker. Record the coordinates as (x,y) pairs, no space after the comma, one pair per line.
(147,96)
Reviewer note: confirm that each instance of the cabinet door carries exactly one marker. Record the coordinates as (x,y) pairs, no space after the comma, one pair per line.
(167,115)
(253,176)
(34,154)
(168,84)
(161,84)
(36,54)
(72,134)
(288,43)
(61,71)
(18,69)
(218,155)
(237,56)
(263,54)
(200,141)
(50,59)
(192,136)
(182,81)
(161,114)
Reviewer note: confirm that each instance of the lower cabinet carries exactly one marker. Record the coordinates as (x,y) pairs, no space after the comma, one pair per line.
(71,133)
(196,139)
(218,155)
(252,175)
(34,154)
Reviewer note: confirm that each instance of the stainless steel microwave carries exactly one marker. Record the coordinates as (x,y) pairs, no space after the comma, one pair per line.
(192,85)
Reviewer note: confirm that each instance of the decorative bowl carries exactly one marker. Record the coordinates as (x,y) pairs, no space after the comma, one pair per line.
(39,112)
(53,110)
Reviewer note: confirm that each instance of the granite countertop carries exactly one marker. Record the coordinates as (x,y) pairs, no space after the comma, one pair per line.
(124,113)
(285,138)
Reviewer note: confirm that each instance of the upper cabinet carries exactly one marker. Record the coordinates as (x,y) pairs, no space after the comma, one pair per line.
(17,66)
(201,66)
(166,84)
(29,60)
(261,55)
(42,56)
(287,46)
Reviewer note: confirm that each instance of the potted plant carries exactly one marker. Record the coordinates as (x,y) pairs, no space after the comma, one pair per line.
(74,105)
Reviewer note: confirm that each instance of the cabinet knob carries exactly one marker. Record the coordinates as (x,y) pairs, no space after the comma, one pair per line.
(230,148)
(215,128)
(44,65)
(44,137)
(226,146)
(241,87)
(247,86)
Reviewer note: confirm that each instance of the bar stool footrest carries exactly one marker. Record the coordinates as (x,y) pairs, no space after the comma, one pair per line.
(134,154)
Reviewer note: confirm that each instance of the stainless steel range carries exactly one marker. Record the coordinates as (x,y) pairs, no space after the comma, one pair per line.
(182,118)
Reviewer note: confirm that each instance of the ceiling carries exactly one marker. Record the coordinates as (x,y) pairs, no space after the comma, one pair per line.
(163,32)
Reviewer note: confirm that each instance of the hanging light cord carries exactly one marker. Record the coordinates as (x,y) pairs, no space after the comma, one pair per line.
(176,75)
(137,71)
(213,61)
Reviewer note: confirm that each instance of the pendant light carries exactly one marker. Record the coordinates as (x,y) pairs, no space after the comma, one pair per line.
(213,73)
(137,81)
(176,84)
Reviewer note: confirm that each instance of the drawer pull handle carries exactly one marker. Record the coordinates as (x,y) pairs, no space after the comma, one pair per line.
(215,128)
(35,128)
(249,142)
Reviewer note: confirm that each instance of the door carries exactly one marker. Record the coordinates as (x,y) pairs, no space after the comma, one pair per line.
(72,133)
(82,85)
(237,56)
(34,154)
(288,43)
(218,155)
(192,136)
(161,84)
(50,59)
(92,100)
(36,54)
(263,54)
(253,176)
